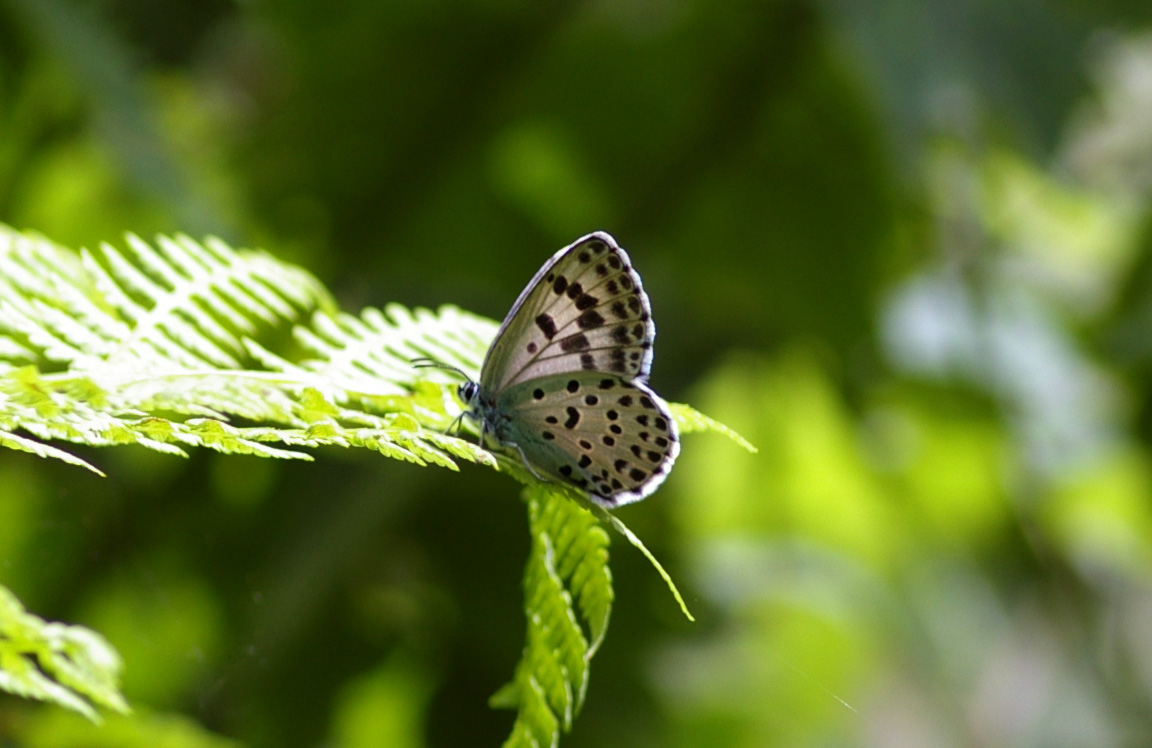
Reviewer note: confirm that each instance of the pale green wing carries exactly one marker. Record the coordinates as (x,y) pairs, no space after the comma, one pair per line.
(612,438)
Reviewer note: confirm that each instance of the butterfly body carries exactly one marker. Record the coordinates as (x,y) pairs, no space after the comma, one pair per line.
(565,380)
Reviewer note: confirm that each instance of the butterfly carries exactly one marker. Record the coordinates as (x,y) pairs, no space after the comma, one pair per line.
(565,381)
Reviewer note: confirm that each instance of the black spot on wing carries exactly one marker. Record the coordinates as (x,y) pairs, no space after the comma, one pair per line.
(573,418)
(577,342)
(586,301)
(590,318)
(584,461)
(575,290)
(559,284)
(637,474)
(587,361)
(546,325)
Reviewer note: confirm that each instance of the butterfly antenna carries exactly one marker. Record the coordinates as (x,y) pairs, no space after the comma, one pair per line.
(423,362)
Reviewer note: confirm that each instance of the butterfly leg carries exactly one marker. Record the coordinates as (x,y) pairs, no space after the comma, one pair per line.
(524,459)
(457,425)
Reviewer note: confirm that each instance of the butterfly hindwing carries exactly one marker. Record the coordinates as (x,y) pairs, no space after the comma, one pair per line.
(605,435)
(585,310)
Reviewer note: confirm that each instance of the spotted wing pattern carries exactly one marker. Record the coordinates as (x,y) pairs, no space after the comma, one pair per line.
(584,311)
(566,380)
(605,435)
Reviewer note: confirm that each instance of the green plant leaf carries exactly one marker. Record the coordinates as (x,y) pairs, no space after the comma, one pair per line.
(689,419)
(67,665)
(157,346)
(567,602)
(632,538)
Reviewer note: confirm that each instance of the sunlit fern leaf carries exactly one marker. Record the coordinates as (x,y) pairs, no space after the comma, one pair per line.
(580,558)
(75,410)
(23,444)
(68,665)
(689,420)
(156,345)
(373,353)
(567,602)
(536,726)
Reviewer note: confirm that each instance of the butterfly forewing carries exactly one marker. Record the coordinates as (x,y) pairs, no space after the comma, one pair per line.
(584,311)
(610,437)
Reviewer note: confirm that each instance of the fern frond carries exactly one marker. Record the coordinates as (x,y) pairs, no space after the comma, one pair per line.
(17,442)
(567,601)
(67,665)
(632,538)
(689,419)
(157,346)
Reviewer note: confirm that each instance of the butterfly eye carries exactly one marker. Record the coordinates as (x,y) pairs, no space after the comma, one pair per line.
(468,391)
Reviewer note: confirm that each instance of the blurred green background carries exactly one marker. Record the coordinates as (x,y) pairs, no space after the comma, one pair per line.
(904,248)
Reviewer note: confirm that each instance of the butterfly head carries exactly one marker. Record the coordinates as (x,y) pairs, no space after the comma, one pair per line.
(469,392)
